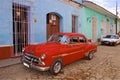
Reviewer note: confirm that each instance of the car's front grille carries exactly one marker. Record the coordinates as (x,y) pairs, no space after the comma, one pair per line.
(31,58)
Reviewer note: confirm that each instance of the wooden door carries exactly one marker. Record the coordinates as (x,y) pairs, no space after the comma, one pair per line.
(103,28)
(73,23)
(94,29)
(53,24)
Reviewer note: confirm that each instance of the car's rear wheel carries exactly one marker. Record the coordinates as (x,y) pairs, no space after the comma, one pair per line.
(56,67)
(90,55)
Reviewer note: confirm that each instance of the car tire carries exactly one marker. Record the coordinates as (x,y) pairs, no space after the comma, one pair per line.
(114,44)
(56,67)
(90,55)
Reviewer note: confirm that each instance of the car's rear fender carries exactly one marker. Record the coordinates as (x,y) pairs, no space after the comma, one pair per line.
(91,49)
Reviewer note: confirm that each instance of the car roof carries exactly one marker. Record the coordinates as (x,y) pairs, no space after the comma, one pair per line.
(69,34)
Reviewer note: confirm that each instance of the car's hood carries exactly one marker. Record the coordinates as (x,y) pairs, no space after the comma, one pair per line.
(45,48)
(108,39)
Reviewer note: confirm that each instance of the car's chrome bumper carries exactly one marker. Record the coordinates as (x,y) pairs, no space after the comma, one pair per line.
(29,64)
(107,42)
(41,68)
(35,66)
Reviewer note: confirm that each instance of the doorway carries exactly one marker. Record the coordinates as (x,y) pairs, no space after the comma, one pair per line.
(94,29)
(20,28)
(53,24)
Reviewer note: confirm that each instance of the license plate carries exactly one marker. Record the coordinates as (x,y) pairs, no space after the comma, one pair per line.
(25,64)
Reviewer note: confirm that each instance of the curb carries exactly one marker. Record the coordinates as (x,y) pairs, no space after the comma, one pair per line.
(8,62)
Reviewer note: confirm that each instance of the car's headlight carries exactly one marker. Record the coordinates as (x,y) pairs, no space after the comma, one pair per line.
(43,56)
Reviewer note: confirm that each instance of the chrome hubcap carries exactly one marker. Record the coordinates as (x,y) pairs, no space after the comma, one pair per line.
(57,67)
(90,55)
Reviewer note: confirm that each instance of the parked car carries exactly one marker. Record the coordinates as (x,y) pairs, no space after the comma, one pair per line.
(59,50)
(110,40)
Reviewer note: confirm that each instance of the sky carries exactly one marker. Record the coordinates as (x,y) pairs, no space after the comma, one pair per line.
(110,5)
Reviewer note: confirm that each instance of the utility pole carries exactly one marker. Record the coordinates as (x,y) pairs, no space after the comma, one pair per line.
(116,16)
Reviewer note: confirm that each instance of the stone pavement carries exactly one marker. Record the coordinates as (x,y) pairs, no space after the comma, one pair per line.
(104,66)
(10,61)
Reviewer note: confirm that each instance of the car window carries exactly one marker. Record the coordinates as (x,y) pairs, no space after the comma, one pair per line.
(58,38)
(54,38)
(108,36)
(63,40)
(82,39)
(111,36)
(114,37)
(73,40)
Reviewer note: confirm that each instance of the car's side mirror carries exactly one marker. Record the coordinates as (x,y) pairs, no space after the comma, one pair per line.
(70,45)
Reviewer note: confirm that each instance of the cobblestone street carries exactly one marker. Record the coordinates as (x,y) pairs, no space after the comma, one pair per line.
(104,66)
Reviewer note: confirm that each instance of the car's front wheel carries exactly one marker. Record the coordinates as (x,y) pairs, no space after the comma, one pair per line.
(56,67)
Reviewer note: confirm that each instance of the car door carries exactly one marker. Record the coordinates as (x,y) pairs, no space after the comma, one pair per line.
(73,50)
(84,45)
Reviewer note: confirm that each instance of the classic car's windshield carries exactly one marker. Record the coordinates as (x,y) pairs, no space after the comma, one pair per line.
(58,38)
(111,36)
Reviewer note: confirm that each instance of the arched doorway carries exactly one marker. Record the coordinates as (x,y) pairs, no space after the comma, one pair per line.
(53,24)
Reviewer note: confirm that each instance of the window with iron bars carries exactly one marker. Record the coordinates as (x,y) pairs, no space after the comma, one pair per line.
(21,27)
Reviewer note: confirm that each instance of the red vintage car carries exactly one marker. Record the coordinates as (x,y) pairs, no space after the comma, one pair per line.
(59,50)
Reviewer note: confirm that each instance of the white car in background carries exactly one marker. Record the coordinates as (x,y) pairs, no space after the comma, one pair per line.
(110,40)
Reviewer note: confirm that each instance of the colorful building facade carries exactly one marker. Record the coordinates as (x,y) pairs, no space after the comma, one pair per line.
(97,21)
(25,22)
(15,21)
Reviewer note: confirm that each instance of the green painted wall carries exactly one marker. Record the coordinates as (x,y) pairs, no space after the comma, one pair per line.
(87,21)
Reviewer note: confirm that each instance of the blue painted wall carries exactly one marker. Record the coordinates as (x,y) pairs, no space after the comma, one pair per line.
(65,11)
(5,22)
(6,28)
(38,10)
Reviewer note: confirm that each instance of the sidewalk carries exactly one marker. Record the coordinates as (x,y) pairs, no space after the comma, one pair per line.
(10,61)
